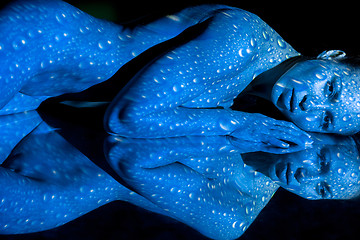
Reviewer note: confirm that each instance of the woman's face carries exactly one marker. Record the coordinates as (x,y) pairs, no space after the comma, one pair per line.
(325,171)
(320,96)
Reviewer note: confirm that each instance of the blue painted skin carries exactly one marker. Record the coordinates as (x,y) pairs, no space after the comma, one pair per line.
(176,95)
(180,92)
(76,51)
(329,170)
(203,181)
(200,181)
(321,95)
(14,128)
(46,182)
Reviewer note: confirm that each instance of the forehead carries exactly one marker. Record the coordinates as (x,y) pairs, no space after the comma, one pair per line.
(346,113)
(346,109)
(345,172)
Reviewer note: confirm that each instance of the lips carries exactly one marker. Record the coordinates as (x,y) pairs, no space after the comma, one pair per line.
(287,100)
(284,174)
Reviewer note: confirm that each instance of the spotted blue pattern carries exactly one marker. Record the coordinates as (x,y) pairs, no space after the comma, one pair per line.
(46,182)
(189,90)
(199,181)
(174,96)
(49,48)
(205,182)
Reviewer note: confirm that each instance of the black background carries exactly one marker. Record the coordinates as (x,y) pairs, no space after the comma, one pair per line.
(310,28)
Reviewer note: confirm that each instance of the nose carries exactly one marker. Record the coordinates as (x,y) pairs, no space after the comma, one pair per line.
(300,174)
(303,174)
(308,103)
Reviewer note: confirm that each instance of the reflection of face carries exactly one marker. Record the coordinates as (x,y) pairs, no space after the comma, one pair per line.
(323,172)
(320,96)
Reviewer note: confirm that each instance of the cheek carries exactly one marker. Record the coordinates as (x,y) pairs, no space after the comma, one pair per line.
(307,191)
(308,121)
(347,123)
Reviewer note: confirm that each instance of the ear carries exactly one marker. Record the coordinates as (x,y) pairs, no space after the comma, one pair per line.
(332,55)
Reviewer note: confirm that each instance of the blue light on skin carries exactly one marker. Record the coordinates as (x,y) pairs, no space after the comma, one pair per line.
(205,177)
(329,170)
(46,182)
(189,90)
(320,96)
(49,48)
(52,48)
(200,181)
(13,128)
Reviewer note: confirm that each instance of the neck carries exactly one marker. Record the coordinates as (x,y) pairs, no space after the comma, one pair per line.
(263,84)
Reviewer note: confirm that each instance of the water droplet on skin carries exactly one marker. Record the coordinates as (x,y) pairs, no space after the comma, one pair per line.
(234,224)
(133,53)
(248,209)
(84,30)
(57,38)
(281,43)
(265,35)
(18,43)
(61,17)
(34,33)
(346,118)
(319,76)
(244,52)
(86,64)
(175,88)
(253,42)
(104,45)
(341,171)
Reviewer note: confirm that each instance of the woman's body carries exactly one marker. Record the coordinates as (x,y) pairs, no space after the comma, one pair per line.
(189,90)
(178,94)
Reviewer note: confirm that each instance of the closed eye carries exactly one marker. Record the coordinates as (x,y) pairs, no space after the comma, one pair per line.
(332,88)
(327,120)
(323,190)
(324,160)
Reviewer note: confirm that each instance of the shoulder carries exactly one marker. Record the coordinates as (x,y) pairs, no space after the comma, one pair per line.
(235,27)
(233,18)
(247,35)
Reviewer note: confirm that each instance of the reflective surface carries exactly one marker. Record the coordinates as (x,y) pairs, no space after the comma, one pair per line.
(212,185)
(63,176)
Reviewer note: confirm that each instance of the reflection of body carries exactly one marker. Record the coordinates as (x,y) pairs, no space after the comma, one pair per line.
(46,182)
(330,170)
(204,182)
(200,181)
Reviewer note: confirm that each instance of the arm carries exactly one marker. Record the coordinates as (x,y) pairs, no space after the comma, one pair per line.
(200,181)
(180,93)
